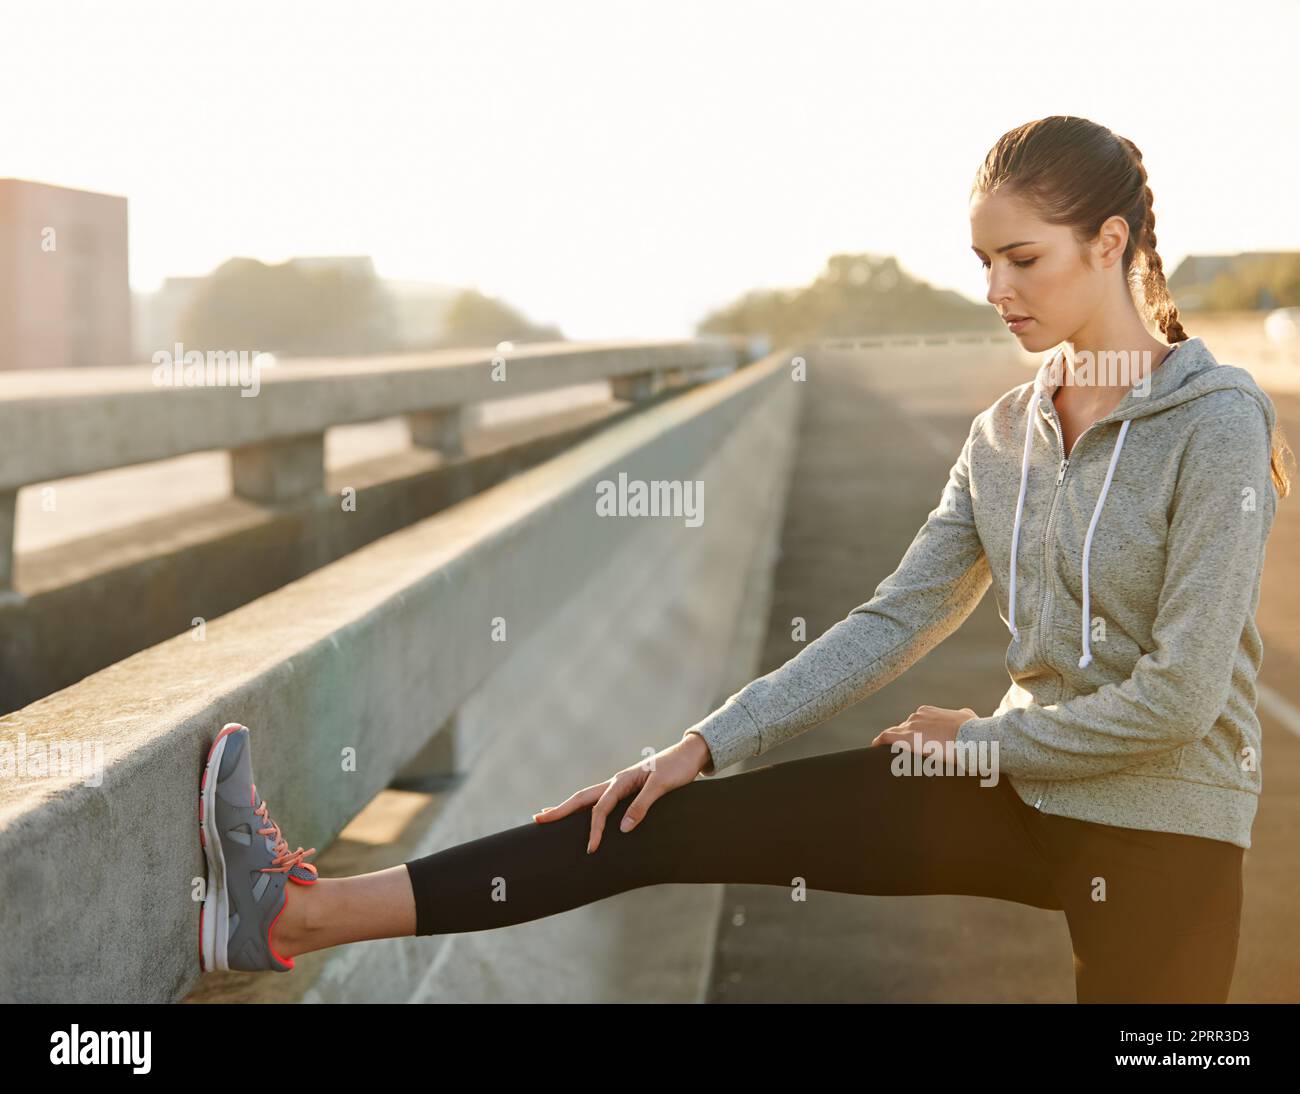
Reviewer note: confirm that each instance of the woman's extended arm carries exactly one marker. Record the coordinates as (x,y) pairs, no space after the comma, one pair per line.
(940,580)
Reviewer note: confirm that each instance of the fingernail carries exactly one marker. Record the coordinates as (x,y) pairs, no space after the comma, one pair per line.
(626,824)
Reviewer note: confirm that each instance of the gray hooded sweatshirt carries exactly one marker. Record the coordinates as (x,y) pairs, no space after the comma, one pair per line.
(1153,531)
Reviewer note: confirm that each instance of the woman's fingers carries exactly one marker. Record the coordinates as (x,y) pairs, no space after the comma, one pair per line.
(580,800)
(909,737)
(636,812)
(606,802)
(603,796)
(884,734)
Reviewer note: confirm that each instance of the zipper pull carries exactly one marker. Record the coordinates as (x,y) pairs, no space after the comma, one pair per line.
(1061,476)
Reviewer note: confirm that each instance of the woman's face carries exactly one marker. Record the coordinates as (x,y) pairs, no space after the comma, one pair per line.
(1033,269)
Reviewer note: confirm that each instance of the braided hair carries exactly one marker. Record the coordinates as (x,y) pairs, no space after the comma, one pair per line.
(1077,173)
(1152,287)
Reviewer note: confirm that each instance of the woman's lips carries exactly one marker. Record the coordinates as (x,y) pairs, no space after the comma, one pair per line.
(1017,325)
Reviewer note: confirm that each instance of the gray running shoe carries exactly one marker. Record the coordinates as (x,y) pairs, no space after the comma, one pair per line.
(248,862)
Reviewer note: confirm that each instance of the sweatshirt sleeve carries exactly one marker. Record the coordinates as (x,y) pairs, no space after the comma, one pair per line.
(1177,691)
(938,583)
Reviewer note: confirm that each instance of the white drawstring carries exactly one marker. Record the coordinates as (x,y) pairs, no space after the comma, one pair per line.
(1086,659)
(1020,508)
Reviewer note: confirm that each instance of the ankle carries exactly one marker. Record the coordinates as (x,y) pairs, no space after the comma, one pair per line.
(297,923)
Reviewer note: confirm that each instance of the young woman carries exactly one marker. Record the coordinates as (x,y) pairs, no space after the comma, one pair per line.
(1121,518)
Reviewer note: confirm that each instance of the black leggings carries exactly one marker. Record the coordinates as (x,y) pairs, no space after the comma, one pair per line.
(1166,930)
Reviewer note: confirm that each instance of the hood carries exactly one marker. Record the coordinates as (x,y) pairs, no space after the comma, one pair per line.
(1187,372)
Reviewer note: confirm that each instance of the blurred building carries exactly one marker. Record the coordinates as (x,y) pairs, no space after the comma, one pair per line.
(158,315)
(1190,283)
(65,300)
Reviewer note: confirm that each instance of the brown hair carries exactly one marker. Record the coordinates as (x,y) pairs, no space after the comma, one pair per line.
(1077,173)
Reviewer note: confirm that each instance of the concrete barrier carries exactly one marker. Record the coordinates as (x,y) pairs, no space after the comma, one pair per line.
(547,643)
(56,423)
(149,580)
(102,597)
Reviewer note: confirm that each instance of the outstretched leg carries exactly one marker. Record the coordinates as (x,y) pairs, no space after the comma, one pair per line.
(840,821)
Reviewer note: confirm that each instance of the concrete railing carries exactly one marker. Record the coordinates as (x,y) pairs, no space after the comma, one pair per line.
(283,513)
(525,638)
(56,423)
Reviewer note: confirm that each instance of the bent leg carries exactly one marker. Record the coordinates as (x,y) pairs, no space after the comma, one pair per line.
(1154,916)
(840,821)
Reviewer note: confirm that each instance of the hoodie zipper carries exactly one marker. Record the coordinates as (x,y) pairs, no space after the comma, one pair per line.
(1044,627)
(1051,514)
(1044,635)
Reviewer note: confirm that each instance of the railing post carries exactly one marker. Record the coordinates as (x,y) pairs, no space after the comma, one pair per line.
(8,505)
(279,470)
(637,386)
(442,430)
(433,763)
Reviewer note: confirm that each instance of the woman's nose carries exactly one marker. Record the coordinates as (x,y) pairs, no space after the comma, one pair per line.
(997,294)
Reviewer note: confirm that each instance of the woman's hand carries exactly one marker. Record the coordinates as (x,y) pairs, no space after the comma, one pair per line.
(654,776)
(932,723)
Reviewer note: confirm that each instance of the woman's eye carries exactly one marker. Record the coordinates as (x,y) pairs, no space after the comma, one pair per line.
(1022,265)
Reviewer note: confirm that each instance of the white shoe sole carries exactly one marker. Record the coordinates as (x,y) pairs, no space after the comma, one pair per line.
(215,935)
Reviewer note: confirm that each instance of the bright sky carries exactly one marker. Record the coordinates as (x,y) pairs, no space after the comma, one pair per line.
(622,168)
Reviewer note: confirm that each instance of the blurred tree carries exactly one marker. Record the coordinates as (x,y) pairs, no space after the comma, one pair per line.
(478,320)
(856,294)
(296,308)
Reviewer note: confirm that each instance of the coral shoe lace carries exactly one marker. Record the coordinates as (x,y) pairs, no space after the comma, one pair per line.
(285,859)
